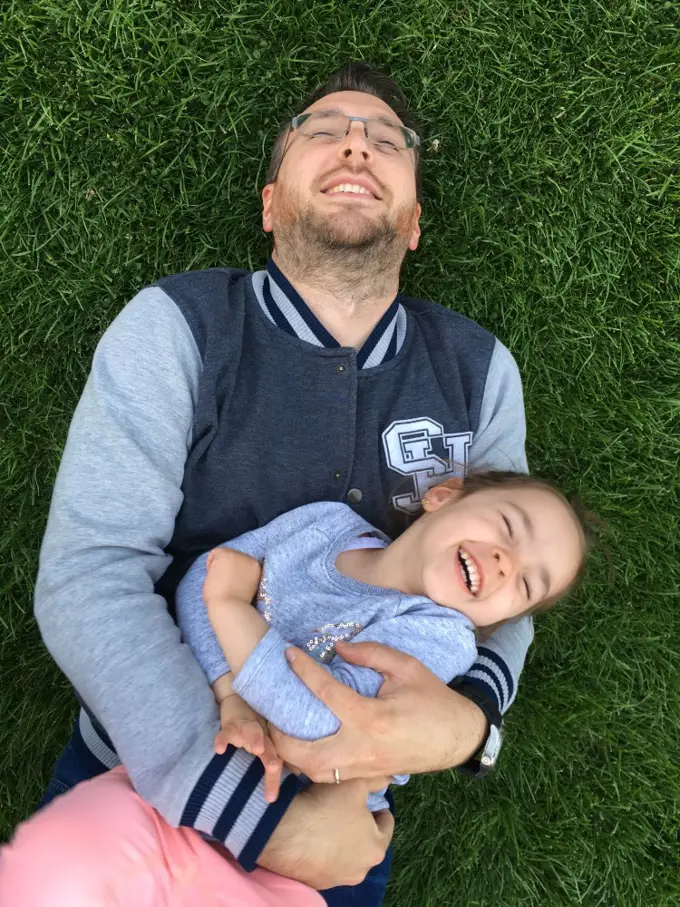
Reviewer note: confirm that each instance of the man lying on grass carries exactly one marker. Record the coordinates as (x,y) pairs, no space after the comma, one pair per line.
(220,399)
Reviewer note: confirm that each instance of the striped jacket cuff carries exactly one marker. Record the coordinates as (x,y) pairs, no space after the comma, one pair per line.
(491,674)
(228,804)
(94,741)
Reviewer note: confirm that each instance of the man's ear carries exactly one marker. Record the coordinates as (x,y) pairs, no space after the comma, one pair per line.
(450,490)
(267,193)
(415,235)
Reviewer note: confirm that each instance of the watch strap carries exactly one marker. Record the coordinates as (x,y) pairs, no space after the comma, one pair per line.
(476,766)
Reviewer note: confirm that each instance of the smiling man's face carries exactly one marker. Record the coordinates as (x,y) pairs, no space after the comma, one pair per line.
(301,207)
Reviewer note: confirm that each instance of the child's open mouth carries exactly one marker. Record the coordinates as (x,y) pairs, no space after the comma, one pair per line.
(469,571)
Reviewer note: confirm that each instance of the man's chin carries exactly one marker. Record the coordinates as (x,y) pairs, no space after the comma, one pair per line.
(341,240)
(348,232)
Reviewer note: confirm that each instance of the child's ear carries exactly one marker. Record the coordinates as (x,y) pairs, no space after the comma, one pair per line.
(450,490)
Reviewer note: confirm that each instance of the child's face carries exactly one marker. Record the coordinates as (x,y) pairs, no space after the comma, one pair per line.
(497,552)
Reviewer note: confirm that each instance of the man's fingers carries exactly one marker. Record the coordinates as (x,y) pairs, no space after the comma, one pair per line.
(315,758)
(383,659)
(273,766)
(283,742)
(378,783)
(272,777)
(290,748)
(339,698)
(272,783)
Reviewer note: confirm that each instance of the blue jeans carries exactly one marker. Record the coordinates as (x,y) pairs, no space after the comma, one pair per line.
(77,763)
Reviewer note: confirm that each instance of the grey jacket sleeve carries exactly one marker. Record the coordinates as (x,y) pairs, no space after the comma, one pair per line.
(501,434)
(115,500)
(499,444)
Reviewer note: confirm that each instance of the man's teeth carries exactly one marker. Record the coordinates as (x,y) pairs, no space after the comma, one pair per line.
(348,187)
(469,571)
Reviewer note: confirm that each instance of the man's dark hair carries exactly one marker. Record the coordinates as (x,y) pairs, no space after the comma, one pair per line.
(356,76)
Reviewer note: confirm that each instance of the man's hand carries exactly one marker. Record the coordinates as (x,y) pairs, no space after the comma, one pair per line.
(329,837)
(416,724)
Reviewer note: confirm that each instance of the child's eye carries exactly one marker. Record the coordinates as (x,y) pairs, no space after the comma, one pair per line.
(508,525)
(528,590)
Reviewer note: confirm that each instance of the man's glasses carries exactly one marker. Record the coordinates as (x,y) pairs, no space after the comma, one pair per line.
(331,126)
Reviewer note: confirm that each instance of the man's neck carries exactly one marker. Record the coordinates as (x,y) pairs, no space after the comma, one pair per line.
(348,306)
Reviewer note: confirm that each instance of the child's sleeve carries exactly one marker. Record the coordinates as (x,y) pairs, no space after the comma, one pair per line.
(443,640)
(192,614)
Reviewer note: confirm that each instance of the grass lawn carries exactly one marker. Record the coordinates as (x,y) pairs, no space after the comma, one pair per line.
(134,144)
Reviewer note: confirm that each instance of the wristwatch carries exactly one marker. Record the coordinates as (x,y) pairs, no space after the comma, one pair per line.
(485,759)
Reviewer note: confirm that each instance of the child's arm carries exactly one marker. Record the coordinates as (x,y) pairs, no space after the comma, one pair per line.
(230,586)
(191,613)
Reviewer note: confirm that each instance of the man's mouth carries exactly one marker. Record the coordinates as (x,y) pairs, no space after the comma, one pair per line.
(469,571)
(347,190)
(352,188)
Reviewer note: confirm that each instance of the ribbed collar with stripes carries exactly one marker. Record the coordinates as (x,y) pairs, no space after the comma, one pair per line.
(284,306)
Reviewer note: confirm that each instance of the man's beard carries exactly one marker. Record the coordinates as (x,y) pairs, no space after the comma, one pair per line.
(342,247)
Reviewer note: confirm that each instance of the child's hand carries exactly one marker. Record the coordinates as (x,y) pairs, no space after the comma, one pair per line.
(244,728)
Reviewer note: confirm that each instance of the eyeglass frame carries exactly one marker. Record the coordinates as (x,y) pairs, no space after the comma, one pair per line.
(298,121)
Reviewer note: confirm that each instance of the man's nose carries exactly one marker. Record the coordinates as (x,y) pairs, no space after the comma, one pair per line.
(355,142)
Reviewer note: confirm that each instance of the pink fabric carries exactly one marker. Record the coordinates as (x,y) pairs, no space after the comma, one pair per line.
(101,845)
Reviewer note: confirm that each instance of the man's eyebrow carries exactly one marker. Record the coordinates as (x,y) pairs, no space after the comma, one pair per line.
(329,111)
(332,111)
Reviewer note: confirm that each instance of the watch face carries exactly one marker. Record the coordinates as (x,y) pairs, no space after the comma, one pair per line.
(493,747)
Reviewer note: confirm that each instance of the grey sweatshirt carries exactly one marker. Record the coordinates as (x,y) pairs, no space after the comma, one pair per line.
(117,493)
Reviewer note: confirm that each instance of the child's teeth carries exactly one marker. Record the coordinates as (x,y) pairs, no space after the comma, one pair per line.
(472,571)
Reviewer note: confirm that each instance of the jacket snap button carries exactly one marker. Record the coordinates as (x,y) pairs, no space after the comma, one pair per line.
(354,495)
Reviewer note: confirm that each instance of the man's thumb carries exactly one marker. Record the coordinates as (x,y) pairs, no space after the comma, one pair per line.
(385,822)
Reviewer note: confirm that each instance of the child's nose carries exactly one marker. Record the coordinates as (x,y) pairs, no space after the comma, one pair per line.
(502,563)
